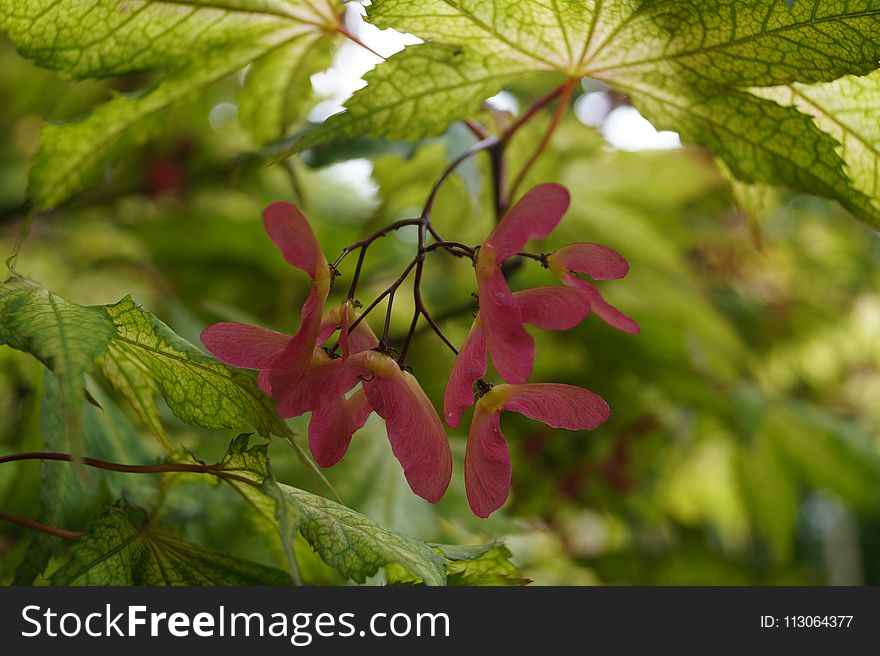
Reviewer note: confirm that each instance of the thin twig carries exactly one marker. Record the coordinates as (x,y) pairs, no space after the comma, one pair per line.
(214,470)
(530,113)
(393,288)
(561,108)
(357,273)
(476,129)
(436,328)
(452,247)
(499,175)
(45,528)
(417,295)
(388,313)
(413,330)
(538,257)
(478,147)
(379,234)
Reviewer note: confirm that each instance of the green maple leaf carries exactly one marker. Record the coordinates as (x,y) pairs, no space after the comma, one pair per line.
(542,36)
(477,565)
(349,541)
(276,88)
(193,43)
(416,93)
(735,42)
(138,354)
(688,66)
(147,356)
(488,564)
(346,540)
(64,336)
(847,109)
(119,550)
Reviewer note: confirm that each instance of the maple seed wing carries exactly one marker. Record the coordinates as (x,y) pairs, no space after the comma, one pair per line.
(559,406)
(512,349)
(244,346)
(289,367)
(602,308)
(415,431)
(290,231)
(468,367)
(332,426)
(535,216)
(553,308)
(597,261)
(487,463)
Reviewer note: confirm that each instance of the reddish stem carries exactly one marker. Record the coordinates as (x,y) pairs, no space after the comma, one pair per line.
(351,37)
(530,113)
(45,528)
(476,129)
(561,107)
(379,234)
(214,470)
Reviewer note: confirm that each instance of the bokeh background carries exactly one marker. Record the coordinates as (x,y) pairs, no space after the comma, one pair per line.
(743,443)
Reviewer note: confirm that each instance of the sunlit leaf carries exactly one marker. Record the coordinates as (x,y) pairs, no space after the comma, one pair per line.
(682,64)
(847,110)
(478,565)
(416,93)
(195,43)
(277,88)
(197,388)
(542,35)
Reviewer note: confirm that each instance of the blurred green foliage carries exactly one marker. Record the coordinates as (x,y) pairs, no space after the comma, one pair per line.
(743,443)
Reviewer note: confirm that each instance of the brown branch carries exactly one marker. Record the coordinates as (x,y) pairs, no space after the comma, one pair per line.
(45,528)
(214,470)
(476,129)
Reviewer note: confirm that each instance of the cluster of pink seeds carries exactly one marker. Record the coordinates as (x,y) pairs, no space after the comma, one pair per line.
(304,377)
